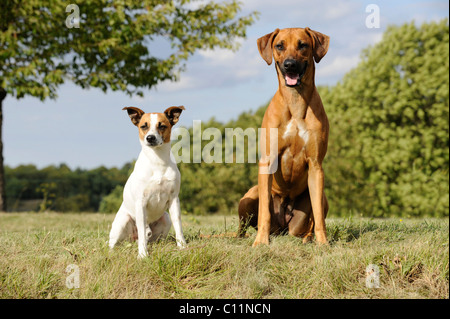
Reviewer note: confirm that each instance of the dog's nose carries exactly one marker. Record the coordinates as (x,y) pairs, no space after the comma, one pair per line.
(151,139)
(290,64)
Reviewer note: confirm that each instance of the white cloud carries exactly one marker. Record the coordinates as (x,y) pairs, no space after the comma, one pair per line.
(240,65)
(338,67)
(218,56)
(219,68)
(186,82)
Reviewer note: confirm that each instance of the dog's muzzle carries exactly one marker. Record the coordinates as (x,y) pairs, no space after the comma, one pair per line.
(152,140)
(293,71)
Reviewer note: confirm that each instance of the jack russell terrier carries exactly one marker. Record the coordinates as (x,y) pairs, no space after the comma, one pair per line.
(153,186)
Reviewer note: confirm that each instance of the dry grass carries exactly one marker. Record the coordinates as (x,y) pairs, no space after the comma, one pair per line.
(35,250)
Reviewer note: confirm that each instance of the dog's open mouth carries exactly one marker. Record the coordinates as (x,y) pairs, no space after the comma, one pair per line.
(292,79)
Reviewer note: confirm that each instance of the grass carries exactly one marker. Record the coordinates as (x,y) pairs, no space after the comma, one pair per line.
(36,249)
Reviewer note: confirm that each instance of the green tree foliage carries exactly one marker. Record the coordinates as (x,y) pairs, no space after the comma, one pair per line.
(60,188)
(389,140)
(115,46)
(111,202)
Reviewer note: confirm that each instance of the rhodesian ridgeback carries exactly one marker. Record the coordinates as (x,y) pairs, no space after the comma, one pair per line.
(292,198)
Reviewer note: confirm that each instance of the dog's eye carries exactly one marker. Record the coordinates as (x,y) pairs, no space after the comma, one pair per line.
(279,46)
(144,127)
(302,45)
(162,127)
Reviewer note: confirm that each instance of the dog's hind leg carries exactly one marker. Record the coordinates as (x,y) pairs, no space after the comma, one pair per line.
(302,222)
(302,219)
(123,227)
(160,228)
(248,210)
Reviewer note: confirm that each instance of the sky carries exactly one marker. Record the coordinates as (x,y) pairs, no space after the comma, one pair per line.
(87,128)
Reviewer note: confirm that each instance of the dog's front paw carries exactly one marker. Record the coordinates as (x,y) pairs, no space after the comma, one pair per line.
(321,238)
(261,240)
(142,252)
(142,255)
(181,244)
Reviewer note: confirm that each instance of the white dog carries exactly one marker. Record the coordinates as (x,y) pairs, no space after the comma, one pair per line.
(153,186)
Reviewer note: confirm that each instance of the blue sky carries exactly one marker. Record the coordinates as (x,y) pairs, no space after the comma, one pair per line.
(87,128)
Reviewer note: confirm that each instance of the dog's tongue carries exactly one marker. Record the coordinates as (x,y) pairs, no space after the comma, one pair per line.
(291,79)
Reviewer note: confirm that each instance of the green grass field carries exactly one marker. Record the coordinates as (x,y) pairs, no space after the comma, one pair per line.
(36,249)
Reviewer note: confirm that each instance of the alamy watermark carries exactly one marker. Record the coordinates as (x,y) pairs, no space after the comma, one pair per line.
(262,146)
(372,276)
(73,279)
(73,19)
(373,18)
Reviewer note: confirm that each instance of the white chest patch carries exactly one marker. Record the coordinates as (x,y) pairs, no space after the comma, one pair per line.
(303,132)
(293,128)
(290,129)
(157,193)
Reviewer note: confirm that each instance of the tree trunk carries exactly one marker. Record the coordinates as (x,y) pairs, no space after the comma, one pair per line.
(2,172)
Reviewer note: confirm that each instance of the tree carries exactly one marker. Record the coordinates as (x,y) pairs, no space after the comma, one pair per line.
(389,126)
(112,48)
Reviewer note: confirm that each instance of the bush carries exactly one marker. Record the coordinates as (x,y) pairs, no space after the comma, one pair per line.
(111,202)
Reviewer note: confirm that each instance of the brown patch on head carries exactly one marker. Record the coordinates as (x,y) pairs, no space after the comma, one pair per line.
(144,125)
(155,124)
(163,127)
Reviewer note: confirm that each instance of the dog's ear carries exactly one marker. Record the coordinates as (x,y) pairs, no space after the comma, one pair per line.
(320,44)
(265,46)
(135,114)
(173,113)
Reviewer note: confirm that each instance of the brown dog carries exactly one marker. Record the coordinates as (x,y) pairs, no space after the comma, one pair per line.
(292,198)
